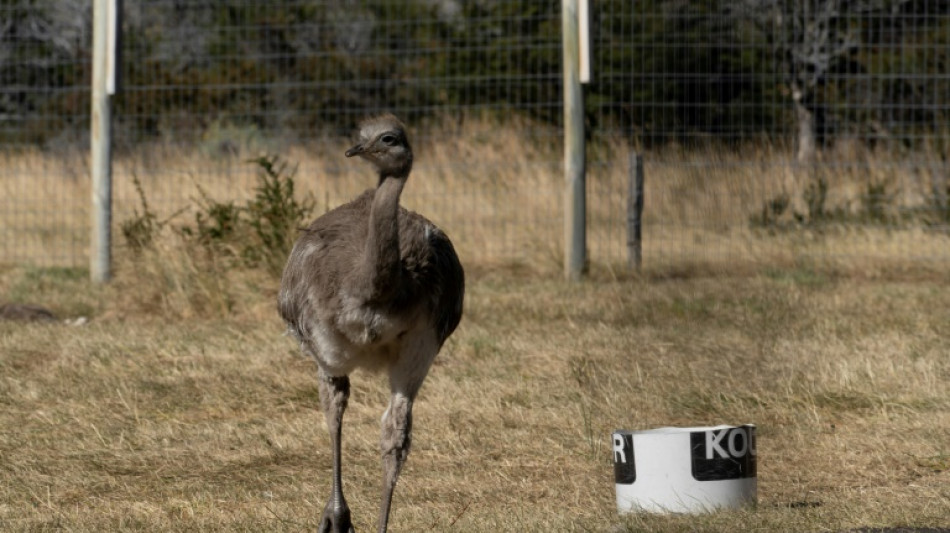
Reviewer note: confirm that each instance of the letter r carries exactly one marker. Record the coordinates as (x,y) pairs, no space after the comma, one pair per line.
(619,455)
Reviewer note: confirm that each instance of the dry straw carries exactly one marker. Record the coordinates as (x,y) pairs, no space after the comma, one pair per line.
(181,407)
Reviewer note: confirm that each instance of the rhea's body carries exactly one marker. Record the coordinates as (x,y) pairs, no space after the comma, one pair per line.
(355,328)
(372,285)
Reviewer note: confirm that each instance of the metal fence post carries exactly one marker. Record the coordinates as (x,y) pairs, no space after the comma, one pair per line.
(575,201)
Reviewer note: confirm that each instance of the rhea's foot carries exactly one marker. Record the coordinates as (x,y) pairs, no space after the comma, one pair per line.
(336,519)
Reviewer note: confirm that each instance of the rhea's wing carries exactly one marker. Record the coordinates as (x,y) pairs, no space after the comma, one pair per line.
(434,267)
(323,255)
(451,282)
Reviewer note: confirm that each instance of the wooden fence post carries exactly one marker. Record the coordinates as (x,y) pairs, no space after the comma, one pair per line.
(575,200)
(635,211)
(106,24)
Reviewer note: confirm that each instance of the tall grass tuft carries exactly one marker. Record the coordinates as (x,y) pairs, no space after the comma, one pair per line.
(274,213)
(140,230)
(199,269)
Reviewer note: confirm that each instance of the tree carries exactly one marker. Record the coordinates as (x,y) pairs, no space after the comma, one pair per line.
(39,42)
(812,40)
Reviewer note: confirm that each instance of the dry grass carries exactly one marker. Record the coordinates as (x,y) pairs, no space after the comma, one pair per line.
(143,421)
(497,190)
(181,407)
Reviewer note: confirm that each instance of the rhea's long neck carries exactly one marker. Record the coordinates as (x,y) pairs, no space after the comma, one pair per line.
(380,262)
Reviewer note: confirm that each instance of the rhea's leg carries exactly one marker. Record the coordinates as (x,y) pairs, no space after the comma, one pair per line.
(405,379)
(395,441)
(334,393)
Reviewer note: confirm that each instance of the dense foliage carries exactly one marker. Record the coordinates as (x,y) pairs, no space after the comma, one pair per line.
(664,69)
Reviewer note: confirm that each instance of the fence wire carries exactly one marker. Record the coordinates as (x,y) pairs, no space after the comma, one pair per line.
(771,130)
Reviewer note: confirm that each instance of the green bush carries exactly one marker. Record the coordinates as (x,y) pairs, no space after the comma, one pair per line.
(140,230)
(260,233)
(274,213)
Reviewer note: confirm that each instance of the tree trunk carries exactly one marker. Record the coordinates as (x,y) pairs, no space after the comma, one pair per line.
(806,130)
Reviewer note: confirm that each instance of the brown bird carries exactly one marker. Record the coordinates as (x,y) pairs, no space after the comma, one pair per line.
(371,285)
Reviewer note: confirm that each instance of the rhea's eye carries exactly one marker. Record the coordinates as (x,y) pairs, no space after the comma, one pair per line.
(389,139)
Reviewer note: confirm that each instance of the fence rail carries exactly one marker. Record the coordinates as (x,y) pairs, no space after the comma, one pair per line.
(770,130)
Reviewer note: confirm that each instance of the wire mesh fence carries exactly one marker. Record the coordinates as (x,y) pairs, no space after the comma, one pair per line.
(771,130)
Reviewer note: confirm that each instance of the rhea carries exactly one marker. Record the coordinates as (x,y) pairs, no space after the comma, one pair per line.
(371,285)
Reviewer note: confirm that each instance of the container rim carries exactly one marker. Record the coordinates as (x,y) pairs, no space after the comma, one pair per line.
(677,430)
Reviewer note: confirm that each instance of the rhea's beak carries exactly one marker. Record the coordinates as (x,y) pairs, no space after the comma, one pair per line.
(356,150)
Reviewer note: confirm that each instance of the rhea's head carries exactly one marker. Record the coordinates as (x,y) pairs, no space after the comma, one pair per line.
(383,142)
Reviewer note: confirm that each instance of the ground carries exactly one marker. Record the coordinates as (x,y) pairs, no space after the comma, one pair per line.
(163,415)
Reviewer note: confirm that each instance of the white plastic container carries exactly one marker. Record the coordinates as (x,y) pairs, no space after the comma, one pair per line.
(685,470)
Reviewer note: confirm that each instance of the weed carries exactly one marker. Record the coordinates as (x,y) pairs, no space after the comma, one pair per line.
(941,191)
(274,213)
(876,200)
(801,275)
(936,463)
(484,346)
(259,233)
(772,211)
(140,230)
(816,195)
(216,221)
(591,433)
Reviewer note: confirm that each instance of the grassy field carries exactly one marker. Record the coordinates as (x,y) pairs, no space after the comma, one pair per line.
(176,416)
(180,406)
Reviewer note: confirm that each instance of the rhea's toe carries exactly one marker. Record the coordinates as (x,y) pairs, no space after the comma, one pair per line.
(336,521)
